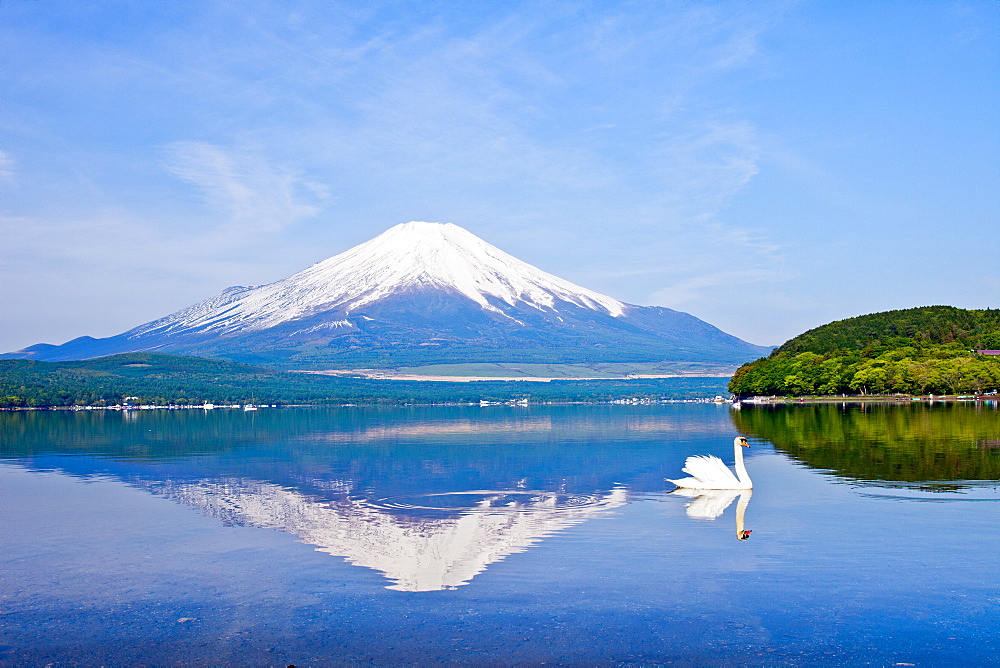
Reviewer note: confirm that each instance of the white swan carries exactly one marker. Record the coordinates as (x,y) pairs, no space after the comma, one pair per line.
(709,472)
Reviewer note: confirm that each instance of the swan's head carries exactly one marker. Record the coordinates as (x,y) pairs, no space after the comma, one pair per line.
(743,535)
(740,440)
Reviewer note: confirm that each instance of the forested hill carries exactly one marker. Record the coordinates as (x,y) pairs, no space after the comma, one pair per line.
(922,326)
(151,378)
(911,351)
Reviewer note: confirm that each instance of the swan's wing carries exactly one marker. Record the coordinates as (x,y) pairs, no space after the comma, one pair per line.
(711,504)
(710,469)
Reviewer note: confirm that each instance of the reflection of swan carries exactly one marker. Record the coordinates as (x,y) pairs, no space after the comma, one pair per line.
(707,504)
(741,509)
(709,472)
(710,503)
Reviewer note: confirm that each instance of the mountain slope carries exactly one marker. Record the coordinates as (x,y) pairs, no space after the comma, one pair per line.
(418,293)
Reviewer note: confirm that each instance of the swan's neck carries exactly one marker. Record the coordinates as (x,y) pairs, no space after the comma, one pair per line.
(741,469)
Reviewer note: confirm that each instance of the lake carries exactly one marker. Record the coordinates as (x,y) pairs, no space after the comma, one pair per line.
(500,535)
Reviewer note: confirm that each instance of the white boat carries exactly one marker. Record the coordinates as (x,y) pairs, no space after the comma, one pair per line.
(249,407)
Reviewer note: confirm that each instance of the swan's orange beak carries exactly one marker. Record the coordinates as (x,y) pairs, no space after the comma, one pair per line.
(744,443)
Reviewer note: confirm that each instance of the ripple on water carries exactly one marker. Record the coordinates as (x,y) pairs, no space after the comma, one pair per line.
(489,501)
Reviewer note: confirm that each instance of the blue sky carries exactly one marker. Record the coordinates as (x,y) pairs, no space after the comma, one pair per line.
(765,166)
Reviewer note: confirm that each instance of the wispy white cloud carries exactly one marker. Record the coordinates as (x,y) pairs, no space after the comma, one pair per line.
(703,169)
(6,167)
(695,289)
(252,193)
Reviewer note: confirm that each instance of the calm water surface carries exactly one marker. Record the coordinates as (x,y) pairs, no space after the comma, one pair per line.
(499,536)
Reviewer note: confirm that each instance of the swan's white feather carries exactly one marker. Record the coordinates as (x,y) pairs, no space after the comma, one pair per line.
(710,472)
(711,469)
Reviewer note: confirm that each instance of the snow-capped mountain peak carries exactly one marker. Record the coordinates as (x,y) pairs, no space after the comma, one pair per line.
(420,293)
(409,256)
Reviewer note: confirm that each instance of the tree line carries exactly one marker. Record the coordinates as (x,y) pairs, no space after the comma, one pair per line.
(929,350)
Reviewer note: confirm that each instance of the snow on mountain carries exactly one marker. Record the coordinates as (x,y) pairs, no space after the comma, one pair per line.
(414,255)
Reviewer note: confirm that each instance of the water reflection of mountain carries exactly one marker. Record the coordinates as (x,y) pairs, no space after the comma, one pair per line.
(891,445)
(442,547)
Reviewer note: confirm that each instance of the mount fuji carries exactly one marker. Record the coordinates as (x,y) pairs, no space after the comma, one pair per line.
(420,293)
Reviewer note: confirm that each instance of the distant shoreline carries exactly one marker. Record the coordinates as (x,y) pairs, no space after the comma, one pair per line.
(755,401)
